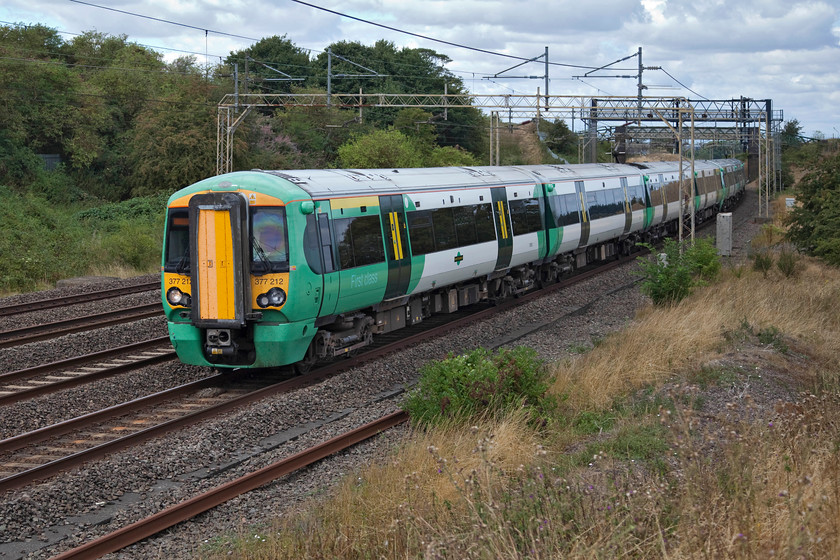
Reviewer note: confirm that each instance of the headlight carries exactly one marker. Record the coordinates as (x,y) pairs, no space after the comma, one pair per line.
(177,298)
(275,297)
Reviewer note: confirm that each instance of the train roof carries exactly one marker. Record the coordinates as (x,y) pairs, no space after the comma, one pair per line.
(327,183)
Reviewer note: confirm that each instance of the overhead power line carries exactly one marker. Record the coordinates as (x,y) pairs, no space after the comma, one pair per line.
(206,30)
(683,85)
(166,21)
(426,37)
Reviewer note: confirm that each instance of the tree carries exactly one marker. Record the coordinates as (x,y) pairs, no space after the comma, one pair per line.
(392,148)
(815,220)
(559,137)
(380,149)
(265,58)
(791,134)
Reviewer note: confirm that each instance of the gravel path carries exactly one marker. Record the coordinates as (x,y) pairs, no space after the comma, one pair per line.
(168,470)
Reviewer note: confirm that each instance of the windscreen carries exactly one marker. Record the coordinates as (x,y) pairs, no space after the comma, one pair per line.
(177,242)
(269,240)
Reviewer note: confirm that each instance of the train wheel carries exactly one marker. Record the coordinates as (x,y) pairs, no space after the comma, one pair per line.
(503,292)
(309,360)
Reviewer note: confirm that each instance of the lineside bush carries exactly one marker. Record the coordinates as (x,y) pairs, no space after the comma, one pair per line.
(461,387)
(676,270)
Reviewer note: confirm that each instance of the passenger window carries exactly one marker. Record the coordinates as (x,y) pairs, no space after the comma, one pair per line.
(525,215)
(420,232)
(484,228)
(465,225)
(359,241)
(326,242)
(310,245)
(444,227)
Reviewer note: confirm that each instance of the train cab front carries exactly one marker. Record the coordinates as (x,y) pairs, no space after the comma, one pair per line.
(225,274)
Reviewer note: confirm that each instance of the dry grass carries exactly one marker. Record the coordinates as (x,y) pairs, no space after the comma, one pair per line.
(408,504)
(742,480)
(122,271)
(662,341)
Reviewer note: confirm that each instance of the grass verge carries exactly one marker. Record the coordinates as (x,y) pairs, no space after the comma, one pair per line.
(707,429)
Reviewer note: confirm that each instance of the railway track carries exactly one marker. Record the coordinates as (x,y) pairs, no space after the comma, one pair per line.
(208,500)
(48,378)
(78,298)
(24,459)
(16,337)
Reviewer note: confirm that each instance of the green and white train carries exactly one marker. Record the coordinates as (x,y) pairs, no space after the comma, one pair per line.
(269,268)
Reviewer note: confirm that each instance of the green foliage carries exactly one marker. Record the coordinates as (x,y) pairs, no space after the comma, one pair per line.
(791,134)
(462,387)
(57,187)
(788,263)
(110,217)
(298,138)
(47,236)
(380,149)
(447,156)
(815,220)
(262,61)
(762,262)
(704,260)
(772,336)
(168,146)
(18,164)
(559,138)
(41,243)
(134,245)
(670,276)
(593,422)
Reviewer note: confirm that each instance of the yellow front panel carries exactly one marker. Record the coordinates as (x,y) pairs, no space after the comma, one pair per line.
(217,295)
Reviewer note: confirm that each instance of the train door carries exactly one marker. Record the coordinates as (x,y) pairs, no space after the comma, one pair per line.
(552,233)
(218,264)
(628,211)
(722,191)
(504,233)
(664,198)
(329,274)
(396,245)
(584,219)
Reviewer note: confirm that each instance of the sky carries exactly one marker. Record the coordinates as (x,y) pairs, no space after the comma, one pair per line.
(784,50)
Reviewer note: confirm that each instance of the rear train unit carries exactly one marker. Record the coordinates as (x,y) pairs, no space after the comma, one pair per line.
(270,268)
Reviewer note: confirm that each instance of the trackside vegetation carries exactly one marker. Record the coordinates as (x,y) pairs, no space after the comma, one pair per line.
(44,242)
(671,273)
(814,222)
(482,383)
(97,120)
(705,429)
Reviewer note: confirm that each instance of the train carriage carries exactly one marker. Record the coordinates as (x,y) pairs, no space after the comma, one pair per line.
(268,268)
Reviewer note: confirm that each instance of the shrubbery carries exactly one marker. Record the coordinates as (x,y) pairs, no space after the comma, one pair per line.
(44,242)
(815,220)
(462,387)
(672,273)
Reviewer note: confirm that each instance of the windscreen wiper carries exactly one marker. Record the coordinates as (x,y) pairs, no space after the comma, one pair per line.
(261,254)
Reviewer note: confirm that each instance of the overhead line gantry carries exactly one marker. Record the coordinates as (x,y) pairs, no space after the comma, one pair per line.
(752,121)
